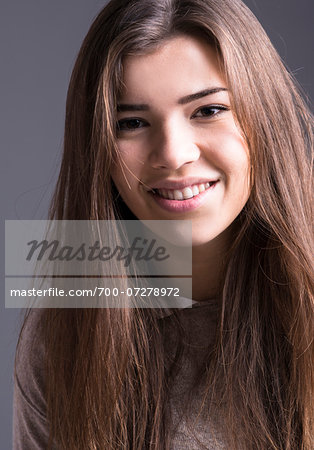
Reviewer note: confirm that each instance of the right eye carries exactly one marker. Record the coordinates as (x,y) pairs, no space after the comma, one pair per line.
(131,124)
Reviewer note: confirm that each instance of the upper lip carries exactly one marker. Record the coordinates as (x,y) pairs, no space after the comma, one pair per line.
(178,183)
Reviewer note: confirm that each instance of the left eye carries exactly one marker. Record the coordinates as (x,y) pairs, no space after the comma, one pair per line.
(209,111)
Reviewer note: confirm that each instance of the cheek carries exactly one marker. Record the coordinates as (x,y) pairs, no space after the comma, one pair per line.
(128,165)
(234,162)
(234,156)
(125,155)
(132,154)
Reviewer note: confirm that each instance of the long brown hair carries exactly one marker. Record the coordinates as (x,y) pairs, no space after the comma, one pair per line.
(107,381)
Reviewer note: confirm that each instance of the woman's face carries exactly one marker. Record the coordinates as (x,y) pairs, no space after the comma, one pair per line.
(177,136)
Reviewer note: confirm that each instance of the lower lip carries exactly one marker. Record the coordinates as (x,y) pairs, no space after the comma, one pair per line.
(183,205)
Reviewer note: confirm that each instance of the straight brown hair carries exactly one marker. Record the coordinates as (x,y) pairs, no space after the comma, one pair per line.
(107,381)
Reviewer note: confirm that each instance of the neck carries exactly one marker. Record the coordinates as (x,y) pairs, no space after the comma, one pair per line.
(209,262)
(208,266)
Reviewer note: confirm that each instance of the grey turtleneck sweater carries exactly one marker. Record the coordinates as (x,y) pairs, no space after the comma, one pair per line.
(190,428)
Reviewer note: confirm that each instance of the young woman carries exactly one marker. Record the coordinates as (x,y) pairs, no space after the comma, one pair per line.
(182,109)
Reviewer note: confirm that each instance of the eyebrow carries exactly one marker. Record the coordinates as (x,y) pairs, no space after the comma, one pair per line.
(122,107)
(128,107)
(201,94)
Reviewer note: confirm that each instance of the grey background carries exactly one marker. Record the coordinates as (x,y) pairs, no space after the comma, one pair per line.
(39,42)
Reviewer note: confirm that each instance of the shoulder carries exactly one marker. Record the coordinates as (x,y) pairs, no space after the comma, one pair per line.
(29,359)
(30,428)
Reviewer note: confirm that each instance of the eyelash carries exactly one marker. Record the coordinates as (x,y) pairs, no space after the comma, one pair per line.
(123,124)
(219,109)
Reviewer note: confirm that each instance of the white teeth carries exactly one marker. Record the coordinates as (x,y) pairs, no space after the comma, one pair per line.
(178,195)
(187,193)
(195,190)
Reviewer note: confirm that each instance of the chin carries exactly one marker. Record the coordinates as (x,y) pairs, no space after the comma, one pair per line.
(206,237)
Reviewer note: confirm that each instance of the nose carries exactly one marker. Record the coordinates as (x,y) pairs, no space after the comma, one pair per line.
(173,146)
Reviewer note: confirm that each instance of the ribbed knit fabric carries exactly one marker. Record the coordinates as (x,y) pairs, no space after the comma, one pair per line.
(193,427)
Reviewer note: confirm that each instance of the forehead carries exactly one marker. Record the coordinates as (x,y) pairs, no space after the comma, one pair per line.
(180,66)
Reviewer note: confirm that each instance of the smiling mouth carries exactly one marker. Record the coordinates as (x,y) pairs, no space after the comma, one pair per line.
(183,194)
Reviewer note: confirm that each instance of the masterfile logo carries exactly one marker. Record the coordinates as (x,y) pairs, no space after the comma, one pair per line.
(57,262)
